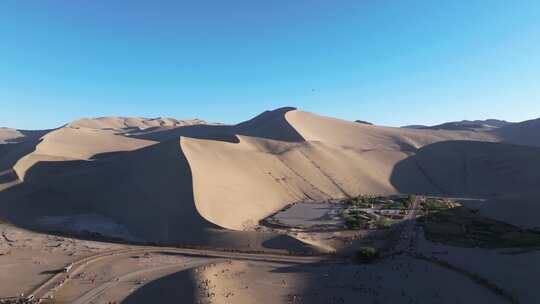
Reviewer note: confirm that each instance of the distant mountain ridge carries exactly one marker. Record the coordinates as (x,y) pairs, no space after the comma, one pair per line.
(465,125)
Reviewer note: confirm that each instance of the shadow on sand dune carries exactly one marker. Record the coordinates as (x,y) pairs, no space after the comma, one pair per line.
(28,135)
(11,153)
(211,132)
(268,125)
(468,168)
(175,288)
(147,191)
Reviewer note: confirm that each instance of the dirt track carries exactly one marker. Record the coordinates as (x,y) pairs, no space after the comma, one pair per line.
(56,283)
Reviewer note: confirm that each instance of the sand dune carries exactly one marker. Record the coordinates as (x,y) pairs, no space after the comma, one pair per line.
(87,139)
(8,135)
(523,133)
(172,181)
(348,134)
(465,125)
(131,123)
(14,145)
(270,125)
(256,176)
(475,168)
(68,144)
(520,209)
(147,192)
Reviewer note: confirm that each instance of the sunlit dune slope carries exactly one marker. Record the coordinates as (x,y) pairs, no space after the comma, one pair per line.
(238,183)
(344,133)
(129,124)
(95,138)
(69,143)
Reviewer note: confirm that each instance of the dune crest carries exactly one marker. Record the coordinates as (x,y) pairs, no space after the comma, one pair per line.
(131,123)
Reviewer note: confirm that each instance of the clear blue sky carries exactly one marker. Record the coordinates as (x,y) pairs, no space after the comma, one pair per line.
(388,61)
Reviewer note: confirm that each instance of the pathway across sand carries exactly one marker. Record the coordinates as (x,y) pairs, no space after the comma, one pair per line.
(55,283)
(96,292)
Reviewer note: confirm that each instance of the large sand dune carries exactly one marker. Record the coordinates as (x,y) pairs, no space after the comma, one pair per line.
(8,135)
(520,209)
(172,181)
(469,168)
(88,139)
(523,133)
(334,158)
(131,124)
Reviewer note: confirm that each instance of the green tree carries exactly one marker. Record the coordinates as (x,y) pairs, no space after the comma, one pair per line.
(367,254)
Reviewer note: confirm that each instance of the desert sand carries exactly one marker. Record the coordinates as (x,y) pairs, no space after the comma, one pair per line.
(402,280)
(191,183)
(27,259)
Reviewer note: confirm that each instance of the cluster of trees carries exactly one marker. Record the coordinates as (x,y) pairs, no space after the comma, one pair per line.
(365,201)
(433,204)
(384,223)
(367,254)
(362,201)
(352,219)
(356,219)
(410,200)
